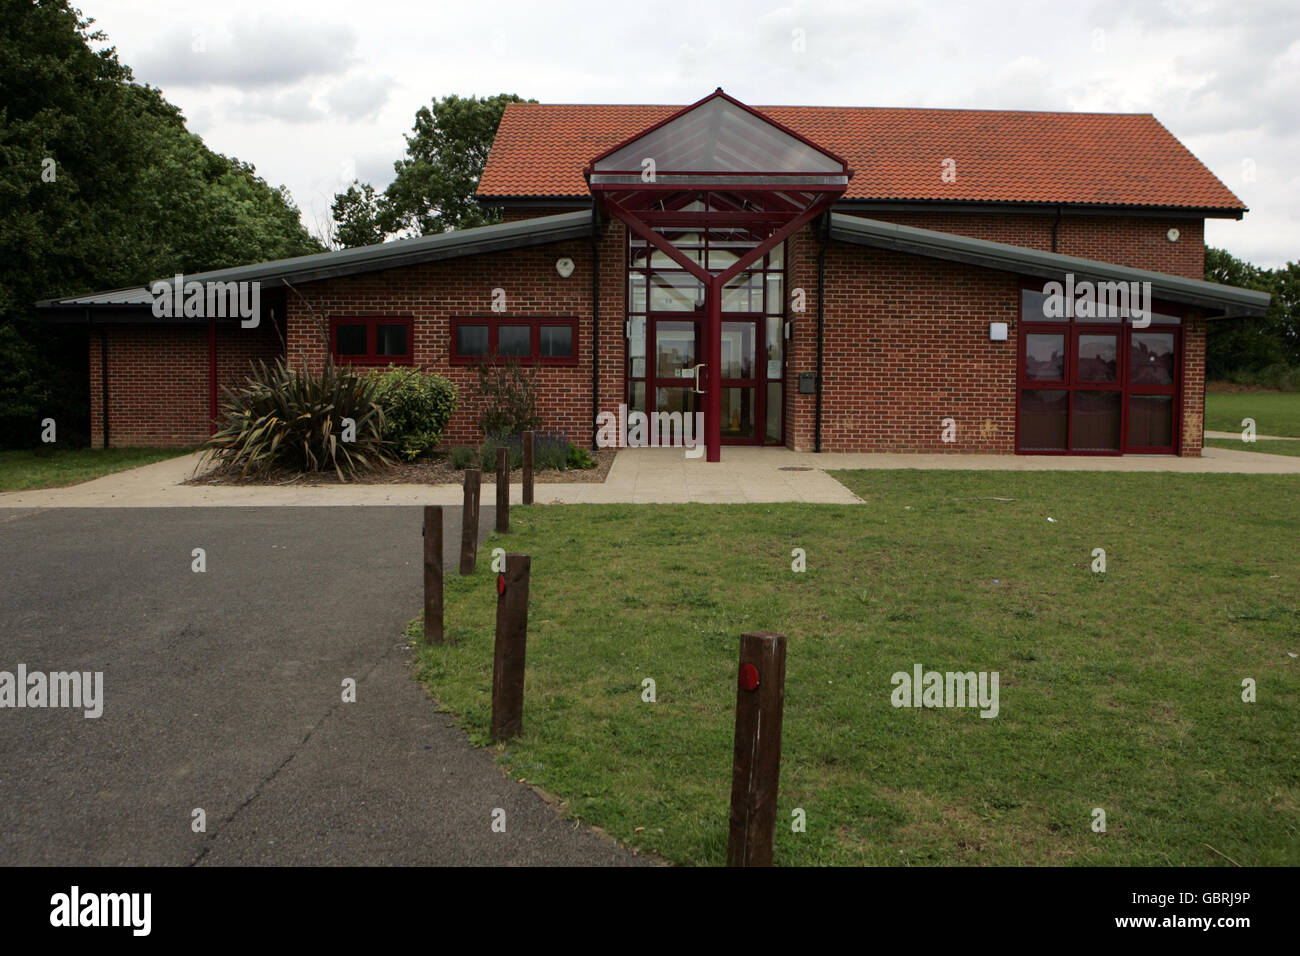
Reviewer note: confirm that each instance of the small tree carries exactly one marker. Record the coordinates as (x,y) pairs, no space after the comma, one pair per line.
(507,396)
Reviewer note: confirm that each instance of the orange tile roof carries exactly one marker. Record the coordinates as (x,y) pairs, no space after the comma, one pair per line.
(1125,159)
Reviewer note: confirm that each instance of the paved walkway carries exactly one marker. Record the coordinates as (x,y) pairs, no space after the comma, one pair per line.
(639,476)
(1237,437)
(223,691)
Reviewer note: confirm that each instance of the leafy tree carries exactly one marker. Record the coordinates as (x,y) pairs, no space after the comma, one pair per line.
(358,218)
(1254,344)
(433,190)
(102,186)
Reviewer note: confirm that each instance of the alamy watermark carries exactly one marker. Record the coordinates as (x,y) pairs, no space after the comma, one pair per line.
(651,430)
(1098,300)
(208,300)
(923,688)
(77,689)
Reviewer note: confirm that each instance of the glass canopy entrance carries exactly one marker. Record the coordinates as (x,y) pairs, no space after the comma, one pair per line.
(709,196)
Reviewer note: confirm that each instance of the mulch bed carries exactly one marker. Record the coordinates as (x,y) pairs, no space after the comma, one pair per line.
(433,471)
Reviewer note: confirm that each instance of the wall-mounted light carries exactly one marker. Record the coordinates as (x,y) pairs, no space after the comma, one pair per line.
(789,330)
(1173,235)
(997,331)
(564,267)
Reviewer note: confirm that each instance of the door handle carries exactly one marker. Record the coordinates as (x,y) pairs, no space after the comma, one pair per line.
(695,370)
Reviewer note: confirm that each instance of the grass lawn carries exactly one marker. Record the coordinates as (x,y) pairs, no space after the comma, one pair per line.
(36,468)
(1264,447)
(1275,413)
(1119,691)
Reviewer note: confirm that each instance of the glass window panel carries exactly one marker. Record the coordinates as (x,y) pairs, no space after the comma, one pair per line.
(775,298)
(675,349)
(350,339)
(471,340)
(636,346)
(774,393)
(1151,358)
(1158,319)
(1044,419)
(675,292)
(1096,420)
(1045,357)
(557,341)
(636,292)
(1151,421)
(514,340)
(1098,358)
(720,259)
(1031,307)
(738,349)
(744,293)
(675,400)
(738,412)
(636,396)
(775,345)
(776,257)
(390,340)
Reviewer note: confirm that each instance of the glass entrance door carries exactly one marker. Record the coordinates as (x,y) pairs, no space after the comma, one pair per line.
(665,356)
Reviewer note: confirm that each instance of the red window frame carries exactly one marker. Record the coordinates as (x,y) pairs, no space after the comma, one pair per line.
(535,325)
(371,323)
(1123,330)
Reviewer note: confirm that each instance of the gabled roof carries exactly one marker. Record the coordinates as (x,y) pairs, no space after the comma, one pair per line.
(1225,300)
(1101,159)
(344,262)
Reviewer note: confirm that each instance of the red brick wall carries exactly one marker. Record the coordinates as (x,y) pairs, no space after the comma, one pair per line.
(434,293)
(906,346)
(1193,385)
(1137,241)
(158,379)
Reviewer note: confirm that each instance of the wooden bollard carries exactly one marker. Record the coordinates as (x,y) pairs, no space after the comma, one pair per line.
(528,468)
(503,490)
(508,660)
(760,697)
(433,632)
(469,522)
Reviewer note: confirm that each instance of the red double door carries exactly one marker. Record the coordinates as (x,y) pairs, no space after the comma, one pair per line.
(1094,388)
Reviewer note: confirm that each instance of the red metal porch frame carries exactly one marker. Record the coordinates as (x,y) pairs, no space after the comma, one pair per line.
(788,201)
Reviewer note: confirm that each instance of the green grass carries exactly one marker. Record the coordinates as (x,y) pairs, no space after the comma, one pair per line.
(1120,691)
(37,468)
(1275,413)
(1263,447)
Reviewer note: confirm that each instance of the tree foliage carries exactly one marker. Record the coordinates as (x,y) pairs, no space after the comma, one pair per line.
(1255,344)
(433,190)
(102,186)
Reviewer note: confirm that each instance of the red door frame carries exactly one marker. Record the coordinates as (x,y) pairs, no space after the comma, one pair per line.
(1070,330)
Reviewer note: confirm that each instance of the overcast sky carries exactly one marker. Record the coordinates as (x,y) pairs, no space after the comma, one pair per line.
(316,93)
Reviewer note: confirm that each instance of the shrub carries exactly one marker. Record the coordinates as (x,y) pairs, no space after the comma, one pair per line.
(580,458)
(462,458)
(507,397)
(487,452)
(417,406)
(284,417)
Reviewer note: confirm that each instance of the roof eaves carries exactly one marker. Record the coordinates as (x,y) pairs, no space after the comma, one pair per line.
(1233,301)
(539,230)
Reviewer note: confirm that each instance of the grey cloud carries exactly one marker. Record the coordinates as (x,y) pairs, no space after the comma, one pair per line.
(248,54)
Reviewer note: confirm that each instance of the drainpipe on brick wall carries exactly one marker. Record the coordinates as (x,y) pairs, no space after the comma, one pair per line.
(821,326)
(103,378)
(1056,225)
(212,375)
(595,321)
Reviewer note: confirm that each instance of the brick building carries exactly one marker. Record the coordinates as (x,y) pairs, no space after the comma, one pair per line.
(828,279)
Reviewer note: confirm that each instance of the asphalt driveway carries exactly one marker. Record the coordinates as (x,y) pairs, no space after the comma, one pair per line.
(223,692)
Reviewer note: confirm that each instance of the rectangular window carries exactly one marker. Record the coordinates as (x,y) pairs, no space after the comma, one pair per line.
(372,339)
(547,341)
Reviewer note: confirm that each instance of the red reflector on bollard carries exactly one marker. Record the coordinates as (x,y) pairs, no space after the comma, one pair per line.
(748,677)
(501,584)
